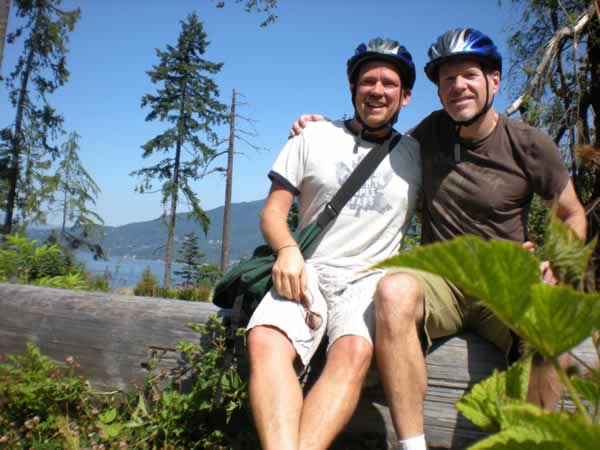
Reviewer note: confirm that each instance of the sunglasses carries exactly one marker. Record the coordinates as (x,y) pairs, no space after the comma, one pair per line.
(312,318)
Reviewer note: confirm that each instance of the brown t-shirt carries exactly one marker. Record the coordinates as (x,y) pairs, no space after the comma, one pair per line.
(484,189)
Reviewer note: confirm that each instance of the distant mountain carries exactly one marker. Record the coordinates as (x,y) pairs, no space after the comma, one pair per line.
(146,240)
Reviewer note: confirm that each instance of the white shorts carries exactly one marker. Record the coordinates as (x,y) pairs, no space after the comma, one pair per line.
(350,311)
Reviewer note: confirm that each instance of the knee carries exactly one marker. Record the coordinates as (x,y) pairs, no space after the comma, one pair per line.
(265,342)
(354,354)
(398,299)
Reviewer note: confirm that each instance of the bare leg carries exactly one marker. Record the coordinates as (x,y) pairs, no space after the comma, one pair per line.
(545,387)
(332,400)
(398,311)
(275,394)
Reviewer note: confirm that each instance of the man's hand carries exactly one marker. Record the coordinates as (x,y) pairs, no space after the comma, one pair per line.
(289,274)
(545,268)
(302,122)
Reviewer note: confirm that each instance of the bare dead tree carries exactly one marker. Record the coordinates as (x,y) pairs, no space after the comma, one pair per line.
(228,187)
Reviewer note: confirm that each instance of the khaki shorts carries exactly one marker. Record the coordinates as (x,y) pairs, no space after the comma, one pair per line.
(348,312)
(448,312)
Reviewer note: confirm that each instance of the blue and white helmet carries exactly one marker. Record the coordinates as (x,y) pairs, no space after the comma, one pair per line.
(462,43)
(386,50)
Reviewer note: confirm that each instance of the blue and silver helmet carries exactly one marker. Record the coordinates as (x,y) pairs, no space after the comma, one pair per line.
(386,50)
(462,43)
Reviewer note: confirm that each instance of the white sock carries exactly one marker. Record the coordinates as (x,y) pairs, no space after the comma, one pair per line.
(413,443)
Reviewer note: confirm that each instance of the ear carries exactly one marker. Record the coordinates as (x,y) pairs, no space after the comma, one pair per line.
(405,95)
(495,85)
(351,88)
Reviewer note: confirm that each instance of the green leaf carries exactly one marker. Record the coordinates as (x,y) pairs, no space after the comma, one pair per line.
(559,318)
(517,438)
(482,405)
(498,273)
(108,416)
(113,430)
(569,255)
(572,431)
(589,389)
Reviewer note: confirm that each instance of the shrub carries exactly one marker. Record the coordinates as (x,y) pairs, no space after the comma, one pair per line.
(47,406)
(98,283)
(23,260)
(198,293)
(148,284)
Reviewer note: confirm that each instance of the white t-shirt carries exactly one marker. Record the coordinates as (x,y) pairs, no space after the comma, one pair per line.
(370,227)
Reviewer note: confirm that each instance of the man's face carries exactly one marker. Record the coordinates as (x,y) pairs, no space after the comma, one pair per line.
(462,88)
(379,93)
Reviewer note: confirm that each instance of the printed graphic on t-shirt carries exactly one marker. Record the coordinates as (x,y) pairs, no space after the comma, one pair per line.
(369,197)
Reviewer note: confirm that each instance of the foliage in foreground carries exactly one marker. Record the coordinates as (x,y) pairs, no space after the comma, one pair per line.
(46,405)
(553,319)
(24,261)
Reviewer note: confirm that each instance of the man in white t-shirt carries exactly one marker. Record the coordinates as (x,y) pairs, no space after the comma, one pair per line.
(327,292)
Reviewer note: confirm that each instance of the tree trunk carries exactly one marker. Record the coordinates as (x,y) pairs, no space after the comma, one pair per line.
(227,207)
(4,12)
(13,174)
(64,217)
(594,62)
(172,218)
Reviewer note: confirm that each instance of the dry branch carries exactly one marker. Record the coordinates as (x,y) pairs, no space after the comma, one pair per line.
(550,53)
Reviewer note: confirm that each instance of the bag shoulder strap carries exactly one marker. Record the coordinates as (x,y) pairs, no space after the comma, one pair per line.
(356,179)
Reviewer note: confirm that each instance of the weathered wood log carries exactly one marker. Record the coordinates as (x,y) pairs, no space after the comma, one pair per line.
(112,336)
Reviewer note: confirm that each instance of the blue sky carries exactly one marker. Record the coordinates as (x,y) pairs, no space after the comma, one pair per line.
(293,66)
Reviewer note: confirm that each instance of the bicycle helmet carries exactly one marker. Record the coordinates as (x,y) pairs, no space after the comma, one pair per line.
(462,43)
(386,50)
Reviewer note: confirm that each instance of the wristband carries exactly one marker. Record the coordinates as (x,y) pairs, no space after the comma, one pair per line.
(285,246)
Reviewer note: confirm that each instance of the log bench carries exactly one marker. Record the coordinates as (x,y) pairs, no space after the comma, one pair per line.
(111,336)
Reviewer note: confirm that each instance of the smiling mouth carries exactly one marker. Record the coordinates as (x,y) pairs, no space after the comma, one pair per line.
(459,101)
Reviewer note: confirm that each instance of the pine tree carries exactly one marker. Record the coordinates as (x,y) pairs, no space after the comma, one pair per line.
(4,13)
(190,259)
(41,68)
(188,100)
(78,192)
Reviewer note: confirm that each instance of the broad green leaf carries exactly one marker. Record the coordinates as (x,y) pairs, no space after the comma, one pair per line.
(517,438)
(498,273)
(517,379)
(108,416)
(589,389)
(482,405)
(569,255)
(574,432)
(113,430)
(559,318)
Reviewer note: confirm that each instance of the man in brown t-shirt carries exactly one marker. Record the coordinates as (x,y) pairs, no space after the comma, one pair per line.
(480,172)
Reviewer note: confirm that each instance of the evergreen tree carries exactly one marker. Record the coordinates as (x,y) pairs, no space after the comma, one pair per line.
(78,192)
(190,259)
(42,69)
(4,13)
(37,184)
(209,274)
(188,100)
